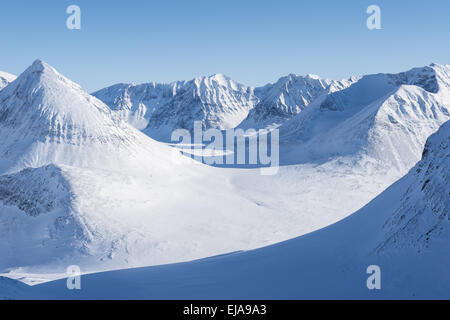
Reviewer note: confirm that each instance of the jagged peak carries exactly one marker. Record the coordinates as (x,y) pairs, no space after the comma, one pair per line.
(219,78)
(40,65)
(313,76)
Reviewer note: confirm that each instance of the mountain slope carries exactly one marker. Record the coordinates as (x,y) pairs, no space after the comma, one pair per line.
(159,109)
(5,79)
(75,180)
(136,103)
(380,121)
(327,264)
(288,97)
(215,101)
(46,118)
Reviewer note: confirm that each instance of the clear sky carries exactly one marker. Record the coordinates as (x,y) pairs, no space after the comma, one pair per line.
(252,41)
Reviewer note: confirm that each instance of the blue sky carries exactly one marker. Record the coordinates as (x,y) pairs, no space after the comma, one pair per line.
(254,42)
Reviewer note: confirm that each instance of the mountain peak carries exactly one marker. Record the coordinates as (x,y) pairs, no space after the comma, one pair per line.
(5,79)
(312,76)
(40,66)
(219,78)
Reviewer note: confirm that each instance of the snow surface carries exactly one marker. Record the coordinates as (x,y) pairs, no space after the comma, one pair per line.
(81,186)
(404,231)
(5,79)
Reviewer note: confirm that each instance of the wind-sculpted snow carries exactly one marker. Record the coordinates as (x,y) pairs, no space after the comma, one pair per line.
(5,79)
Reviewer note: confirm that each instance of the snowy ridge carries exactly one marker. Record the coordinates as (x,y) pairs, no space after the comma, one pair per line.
(288,97)
(136,103)
(5,79)
(381,120)
(46,118)
(216,101)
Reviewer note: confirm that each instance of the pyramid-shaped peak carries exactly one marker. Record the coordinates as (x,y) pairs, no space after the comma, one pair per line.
(40,66)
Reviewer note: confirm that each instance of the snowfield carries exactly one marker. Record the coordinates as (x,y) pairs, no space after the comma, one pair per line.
(80,184)
(405,231)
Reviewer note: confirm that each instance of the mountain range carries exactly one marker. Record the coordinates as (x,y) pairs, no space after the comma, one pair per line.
(84,179)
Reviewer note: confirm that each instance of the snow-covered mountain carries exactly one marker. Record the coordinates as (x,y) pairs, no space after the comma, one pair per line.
(136,103)
(5,79)
(47,119)
(422,220)
(216,101)
(380,120)
(79,185)
(287,97)
(71,171)
(405,232)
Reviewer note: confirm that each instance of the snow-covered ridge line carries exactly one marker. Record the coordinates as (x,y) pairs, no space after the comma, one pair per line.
(5,79)
(219,102)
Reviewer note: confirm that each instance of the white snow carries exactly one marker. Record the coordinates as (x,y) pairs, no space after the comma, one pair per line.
(5,79)
(405,231)
(81,186)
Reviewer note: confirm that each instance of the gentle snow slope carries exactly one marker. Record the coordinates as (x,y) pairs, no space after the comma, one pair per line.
(405,231)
